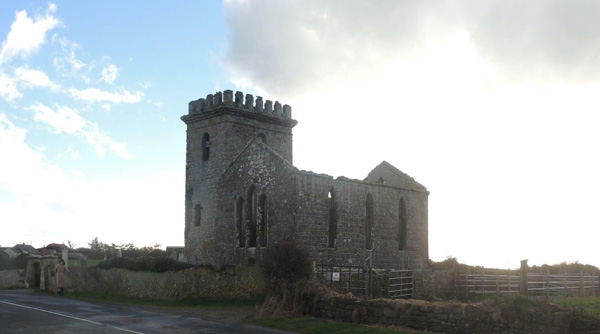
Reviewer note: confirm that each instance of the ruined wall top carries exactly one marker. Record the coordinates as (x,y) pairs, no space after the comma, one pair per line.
(247,103)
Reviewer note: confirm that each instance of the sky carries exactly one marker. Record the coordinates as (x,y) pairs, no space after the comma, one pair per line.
(493,106)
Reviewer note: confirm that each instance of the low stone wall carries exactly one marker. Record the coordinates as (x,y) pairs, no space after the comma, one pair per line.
(453,317)
(238,283)
(12,279)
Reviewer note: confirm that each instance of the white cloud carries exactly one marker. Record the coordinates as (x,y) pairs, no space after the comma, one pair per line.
(34,78)
(8,87)
(68,64)
(110,73)
(93,95)
(64,119)
(324,42)
(27,35)
(68,202)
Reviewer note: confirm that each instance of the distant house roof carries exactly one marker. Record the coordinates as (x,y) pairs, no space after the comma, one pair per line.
(57,247)
(25,249)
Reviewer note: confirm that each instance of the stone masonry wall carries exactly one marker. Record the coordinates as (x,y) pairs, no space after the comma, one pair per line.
(261,167)
(312,222)
(241,283)
(231,124)
(453,317)
(12,279)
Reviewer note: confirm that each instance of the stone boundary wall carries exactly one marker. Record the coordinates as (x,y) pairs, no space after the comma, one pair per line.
(239,283)
(452,317)
(12,279)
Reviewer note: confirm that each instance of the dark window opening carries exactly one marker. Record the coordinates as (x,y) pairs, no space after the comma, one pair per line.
(239,221)
(333,219)
(262,221)
(197,214)
(402,225)
(262,137)
(370,217)
(205,147)
(251,217)
(189,193)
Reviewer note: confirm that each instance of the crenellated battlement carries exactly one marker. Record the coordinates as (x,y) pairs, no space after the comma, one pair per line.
(238,101)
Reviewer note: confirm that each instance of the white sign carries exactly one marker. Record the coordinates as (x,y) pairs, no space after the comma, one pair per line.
(336,277)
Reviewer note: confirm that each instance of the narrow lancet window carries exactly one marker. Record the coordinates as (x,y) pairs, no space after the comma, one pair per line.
(333,219)
(370,217)
(197,214)
(205,146)
(251,216)
(239,222)
(262,221)
(402,225)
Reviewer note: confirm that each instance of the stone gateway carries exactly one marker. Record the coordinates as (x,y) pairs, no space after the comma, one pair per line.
(243,194)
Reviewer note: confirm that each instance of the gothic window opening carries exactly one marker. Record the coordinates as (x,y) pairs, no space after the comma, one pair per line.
(332,219)
(262,137)
(370,217)
(205,146)
(262,221)
(402,225)
(189,193)
(197,214)
(251,214)
(239,221)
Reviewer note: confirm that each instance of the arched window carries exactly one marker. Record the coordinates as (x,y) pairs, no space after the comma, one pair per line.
(239,222)
(402,225)
(205,146)
(251,216)
(262,221)
(197,214)
(262,137)
(333,219)
(370,217)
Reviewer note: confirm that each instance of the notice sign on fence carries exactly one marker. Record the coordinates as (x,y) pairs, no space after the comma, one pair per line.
(336,277)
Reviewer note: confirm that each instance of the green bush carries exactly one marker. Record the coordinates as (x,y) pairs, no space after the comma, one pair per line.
(145,263)
(285,263)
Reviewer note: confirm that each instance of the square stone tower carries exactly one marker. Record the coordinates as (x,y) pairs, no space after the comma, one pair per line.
(219,128)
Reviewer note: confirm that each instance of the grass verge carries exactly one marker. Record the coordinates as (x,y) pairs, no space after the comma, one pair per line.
(589,305)
(318,326)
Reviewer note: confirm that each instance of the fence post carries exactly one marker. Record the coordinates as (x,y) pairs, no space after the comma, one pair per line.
(547,283)
(581,286)
(566,290)
(497,285)
(468,277)
(593,284)
(523,283)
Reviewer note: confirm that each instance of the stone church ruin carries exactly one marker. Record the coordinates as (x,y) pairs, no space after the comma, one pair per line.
(244,194)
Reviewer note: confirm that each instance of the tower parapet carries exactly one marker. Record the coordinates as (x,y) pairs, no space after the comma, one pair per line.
(237,101)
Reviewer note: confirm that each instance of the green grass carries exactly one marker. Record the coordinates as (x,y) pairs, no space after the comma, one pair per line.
(317,326)
(588,305)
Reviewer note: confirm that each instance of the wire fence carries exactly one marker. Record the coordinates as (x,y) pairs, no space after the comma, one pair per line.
(371,283)
(401,284)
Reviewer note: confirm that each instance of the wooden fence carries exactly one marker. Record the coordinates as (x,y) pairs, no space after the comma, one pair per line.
(562,285)
(537,284)
(482,283)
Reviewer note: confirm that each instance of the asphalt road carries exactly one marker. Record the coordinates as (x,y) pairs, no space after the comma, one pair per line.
(25,311)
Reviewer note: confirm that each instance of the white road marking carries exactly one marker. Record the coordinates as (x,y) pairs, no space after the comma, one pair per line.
(68,316)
